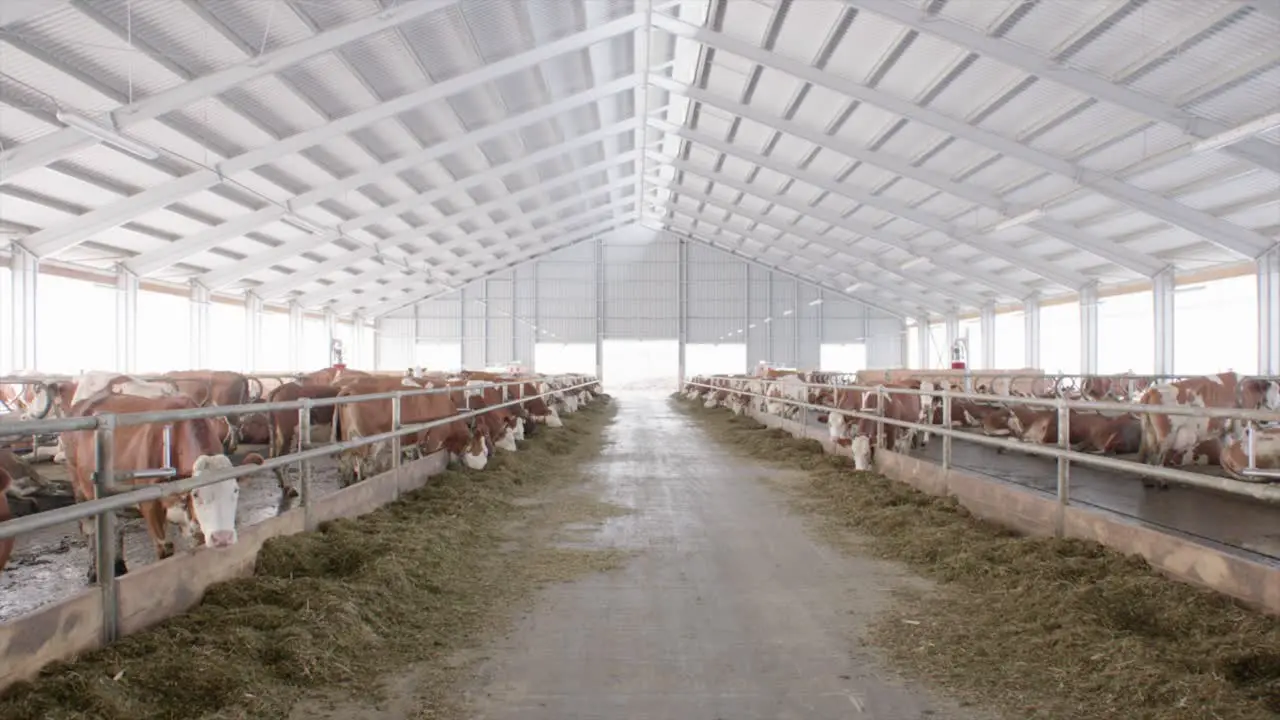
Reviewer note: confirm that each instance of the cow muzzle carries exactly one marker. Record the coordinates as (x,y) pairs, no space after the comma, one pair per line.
(222,538)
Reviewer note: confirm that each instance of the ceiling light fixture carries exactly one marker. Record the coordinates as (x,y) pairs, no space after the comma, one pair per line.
(913,262)
(768,319)
(786,312)
(853,288)
(1015,221)
(815,302)
(1235,135)
(106,135)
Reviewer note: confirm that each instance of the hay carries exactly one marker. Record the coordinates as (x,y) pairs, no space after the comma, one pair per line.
(342,609)
(1031,627)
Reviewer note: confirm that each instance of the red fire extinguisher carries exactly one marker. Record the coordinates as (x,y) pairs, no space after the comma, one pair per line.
(959,354)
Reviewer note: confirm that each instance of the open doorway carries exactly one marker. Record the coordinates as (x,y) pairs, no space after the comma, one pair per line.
(649,365)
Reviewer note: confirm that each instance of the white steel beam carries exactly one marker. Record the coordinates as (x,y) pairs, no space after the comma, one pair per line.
(1227,235)
(1064,231)
(345,285)
(1011,288)
(24,274)
(919,278)
(1067,278)
(162,258)
(586,234)
(910,297)
(987,323)
(252,332)
(1031,333)
(199,328)
(297,279)
(1089,329)
(373,289)
(1163,290)
(60,143)
(1258,152)
(1269,313)
(737,255)
(52,240)
(126,321)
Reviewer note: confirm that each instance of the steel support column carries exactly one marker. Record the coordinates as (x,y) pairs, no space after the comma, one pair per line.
(746,315)
(354,354)
(484,319)
(295,336)
(600,309)
(22,308)
(768,329)
(952,324)
(1162,290)
(1269,312)
(126,320)
(1089,329)
(252,332)
(922,352)
(795,326)
(199,305)
(1031,337)
(537,323)
(987,322)
(682,301)
(330,331)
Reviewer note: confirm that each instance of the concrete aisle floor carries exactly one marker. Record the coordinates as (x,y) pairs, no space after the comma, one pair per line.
(731,611)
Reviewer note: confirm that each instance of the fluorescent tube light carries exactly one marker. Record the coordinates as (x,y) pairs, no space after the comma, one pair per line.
(106,135)
(853,287)
(1023,219)
(815,302)
(913,262)
(1235,135)
(786,312)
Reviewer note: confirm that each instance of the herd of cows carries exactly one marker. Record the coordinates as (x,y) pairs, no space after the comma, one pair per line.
(493,411)
(1157,438)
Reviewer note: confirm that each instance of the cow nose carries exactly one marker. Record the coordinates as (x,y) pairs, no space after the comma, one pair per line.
(222,538)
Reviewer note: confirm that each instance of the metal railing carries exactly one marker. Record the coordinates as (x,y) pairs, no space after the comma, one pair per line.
(1062,452)
(112,497)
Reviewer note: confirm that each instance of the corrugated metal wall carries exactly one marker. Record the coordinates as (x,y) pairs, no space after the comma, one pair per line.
(555,299)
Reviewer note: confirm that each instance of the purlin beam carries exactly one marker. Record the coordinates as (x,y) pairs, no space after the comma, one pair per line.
(1258,152)
(585,235)
(1043,268)
(347,284)
(1009,287)
(301,277)
(361,300)
(52,240)
(869,258)
(60,143)
(1222,233)
(900,166)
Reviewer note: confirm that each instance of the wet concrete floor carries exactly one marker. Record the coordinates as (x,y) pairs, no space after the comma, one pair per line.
(731,610)
(51,564)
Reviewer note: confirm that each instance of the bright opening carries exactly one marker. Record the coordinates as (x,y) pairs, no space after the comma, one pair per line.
(558,358)
(641,364)
(226,336)
(715,359)
(845,357)
(1126,335)
(1199,317)
(76,324)
(164,335)
(438,356)
(1060,338)
(971,329)
(1011,334)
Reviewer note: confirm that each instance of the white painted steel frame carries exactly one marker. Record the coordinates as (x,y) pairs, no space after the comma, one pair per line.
(1227,235)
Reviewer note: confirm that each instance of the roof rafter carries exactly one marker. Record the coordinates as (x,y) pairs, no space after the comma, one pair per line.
(692,237)
(1227,235)
(53,240)
(1068,279)
(60,143)
(587,234)
(328,292)
(1064,231)
(305,275)
(1258,152)
(857,257)
(920,278)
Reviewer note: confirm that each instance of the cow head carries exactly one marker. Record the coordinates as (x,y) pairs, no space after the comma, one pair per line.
(861,449)
(1258,393)
(553,417)
(477,453)
(214,506)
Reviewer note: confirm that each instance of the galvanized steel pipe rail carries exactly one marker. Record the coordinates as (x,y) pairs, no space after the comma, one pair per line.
(1062,453)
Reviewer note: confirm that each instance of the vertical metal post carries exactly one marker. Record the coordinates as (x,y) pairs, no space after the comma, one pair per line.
(395,425)
(105,528)
(1162,304)
(880,399)
(946,424)
(987,323)
(1269,312)
(1089,329)
(682,302)
(304,467)
(168,446)
(1064,443)
(1031,337)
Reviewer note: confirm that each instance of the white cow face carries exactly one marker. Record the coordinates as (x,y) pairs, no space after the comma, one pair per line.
(1271,399)
(553,417)
(215,505)
(861,453)
(835,425)
(519,431)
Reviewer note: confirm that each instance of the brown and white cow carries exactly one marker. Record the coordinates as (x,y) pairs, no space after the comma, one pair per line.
(1185,439)
(196,447)
(896,406)
(1234,457)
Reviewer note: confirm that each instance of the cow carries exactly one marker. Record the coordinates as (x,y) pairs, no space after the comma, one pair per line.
(219,388)
(896,406)
(284,423)
(6,545)
(362,419)
(98,384)
(1234,455)
(1181,439)
(255,429)
(27,401)
(196,448)
(498,424)
(840,424)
